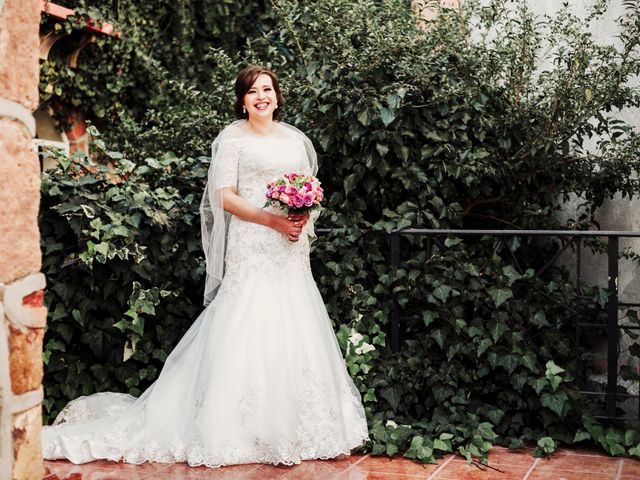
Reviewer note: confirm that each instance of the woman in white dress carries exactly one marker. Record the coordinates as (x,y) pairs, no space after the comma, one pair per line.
(259,376)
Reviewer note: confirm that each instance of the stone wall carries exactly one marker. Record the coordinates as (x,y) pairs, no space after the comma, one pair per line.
(427,9)
(22,315)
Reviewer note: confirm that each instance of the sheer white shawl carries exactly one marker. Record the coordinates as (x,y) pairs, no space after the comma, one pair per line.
(214,220)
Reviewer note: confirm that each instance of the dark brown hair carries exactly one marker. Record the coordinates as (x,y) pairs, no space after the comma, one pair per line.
(246,78)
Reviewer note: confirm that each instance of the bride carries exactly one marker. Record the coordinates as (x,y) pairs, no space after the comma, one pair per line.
(259,376)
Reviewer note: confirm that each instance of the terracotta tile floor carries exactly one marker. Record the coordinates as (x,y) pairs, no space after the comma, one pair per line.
(504,465)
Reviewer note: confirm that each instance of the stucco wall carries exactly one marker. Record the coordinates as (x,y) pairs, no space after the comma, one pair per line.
(615,214)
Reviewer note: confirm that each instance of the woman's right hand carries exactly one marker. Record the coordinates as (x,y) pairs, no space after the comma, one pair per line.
(289,228)
(241,208)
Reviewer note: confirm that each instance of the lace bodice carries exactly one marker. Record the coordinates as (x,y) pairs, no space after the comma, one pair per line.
(249,164)
(251,161)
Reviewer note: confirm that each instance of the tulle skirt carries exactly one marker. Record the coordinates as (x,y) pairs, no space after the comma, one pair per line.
(258,378)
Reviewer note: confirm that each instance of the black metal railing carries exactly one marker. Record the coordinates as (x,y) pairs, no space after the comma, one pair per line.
(612,397)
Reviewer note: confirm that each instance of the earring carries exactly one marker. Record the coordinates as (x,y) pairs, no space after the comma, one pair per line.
(244,110)
(276,106)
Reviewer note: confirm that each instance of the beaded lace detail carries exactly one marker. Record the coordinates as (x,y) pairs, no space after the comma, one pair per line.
(319,432)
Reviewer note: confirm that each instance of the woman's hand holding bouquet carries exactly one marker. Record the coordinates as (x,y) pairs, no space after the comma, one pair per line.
(297,195)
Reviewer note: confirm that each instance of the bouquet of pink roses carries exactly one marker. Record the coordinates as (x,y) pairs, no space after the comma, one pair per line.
(295,193)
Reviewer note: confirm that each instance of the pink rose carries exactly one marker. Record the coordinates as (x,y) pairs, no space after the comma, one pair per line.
(308,200)
(298,201)
(284,198)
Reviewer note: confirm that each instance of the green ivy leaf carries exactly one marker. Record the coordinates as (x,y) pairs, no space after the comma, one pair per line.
(102,248)
(363,118)
(442,292)
(509,362)
(439,336)
(495,416)
(511,274)
(552,369)
(547,445)
(500,295)
(554,401)
(387,115)
(485,343)
(485,430)
(391,395)
(441,445)
(419,451)
(581,435)
(497,330)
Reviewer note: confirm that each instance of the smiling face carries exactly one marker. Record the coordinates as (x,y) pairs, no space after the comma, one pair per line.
(258,93)
(261,99)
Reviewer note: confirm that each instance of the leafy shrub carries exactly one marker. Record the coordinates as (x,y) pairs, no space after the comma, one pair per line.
(115,244)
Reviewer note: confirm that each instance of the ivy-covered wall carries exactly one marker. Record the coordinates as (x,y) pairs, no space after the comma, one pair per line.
(452,126)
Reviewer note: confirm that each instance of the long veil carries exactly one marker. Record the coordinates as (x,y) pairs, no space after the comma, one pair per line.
(214,220)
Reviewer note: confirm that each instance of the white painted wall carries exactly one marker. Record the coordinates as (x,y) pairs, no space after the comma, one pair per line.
(615,214)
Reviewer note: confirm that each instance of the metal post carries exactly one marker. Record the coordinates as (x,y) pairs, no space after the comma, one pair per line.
(395,308)
(578,292)
(612,327)
(578,266)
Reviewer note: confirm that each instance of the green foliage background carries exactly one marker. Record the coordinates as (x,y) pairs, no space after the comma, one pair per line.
(452,126)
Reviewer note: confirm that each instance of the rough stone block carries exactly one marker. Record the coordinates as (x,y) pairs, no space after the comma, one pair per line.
(427,10)
(23,301)
(19,48)
(25,358)
(20,197)
(27,449)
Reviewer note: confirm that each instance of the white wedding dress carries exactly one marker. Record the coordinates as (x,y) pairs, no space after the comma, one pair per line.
(258,378)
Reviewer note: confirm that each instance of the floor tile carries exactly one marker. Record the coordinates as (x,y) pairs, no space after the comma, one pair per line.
(579,463)
(171,476)
(587,451)
(268,472)
(55,476)
(184,471)
(213,474)
(564,475)
(101,470)
(187,476)
(308,470)
(351,459)
(323,468)
(630,467)
(360,475)
(396,465)
(504,456)
(462,470)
